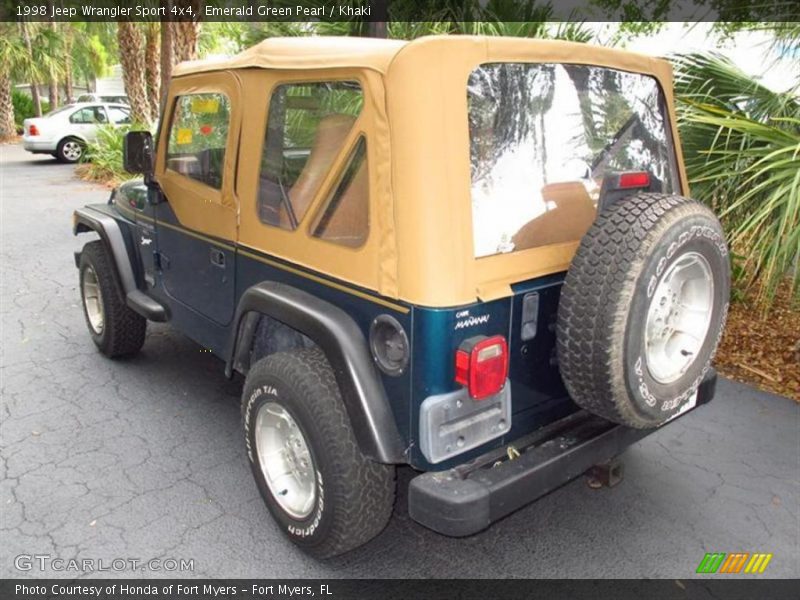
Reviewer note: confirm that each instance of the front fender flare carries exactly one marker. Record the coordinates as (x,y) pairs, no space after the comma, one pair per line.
(343,343)
(88,219)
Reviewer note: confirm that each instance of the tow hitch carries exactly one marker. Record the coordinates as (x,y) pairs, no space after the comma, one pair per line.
(607,474)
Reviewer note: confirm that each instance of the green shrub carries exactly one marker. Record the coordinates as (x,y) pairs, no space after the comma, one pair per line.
(23,106)
(103,157)
(741,143)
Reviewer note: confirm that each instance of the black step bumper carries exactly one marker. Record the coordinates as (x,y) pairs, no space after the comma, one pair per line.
(470,497)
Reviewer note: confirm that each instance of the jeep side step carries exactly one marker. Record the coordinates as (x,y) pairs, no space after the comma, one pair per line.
(468,498)
(150,309)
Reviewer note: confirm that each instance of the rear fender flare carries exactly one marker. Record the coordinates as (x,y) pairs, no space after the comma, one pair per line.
(343,343)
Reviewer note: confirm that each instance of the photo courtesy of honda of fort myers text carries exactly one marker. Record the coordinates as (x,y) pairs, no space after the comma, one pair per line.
(394,298)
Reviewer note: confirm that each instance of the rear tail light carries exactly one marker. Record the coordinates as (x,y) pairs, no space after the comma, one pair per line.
(482,365)
(634,179)
(32,130)
(619,185)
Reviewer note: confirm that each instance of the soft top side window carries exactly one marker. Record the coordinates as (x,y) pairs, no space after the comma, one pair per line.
(198,135)
(307,127)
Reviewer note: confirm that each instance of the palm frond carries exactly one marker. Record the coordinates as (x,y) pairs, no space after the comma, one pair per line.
(741,144)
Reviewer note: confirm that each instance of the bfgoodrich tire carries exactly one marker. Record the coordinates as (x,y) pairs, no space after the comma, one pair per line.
(323,493)
(643,308)
(115,329)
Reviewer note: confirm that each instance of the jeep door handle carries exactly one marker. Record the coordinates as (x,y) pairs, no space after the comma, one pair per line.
(217,258)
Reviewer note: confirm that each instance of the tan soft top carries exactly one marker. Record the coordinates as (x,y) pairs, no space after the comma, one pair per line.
(329,52)
(311,52)
(420,248)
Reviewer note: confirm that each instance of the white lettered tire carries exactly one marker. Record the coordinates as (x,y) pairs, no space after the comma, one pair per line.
(332,498)
(643,308)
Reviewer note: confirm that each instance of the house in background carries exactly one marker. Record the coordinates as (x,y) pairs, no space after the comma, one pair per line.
(111,85)
(106,86)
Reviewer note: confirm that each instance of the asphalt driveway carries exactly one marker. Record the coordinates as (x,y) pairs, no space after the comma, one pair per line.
(144,458)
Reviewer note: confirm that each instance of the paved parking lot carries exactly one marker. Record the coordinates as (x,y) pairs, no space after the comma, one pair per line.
(144,458)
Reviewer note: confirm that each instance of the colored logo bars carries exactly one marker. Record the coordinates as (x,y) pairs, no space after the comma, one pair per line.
(737,562)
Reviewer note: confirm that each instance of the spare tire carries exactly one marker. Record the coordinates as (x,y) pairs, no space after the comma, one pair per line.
(643,308)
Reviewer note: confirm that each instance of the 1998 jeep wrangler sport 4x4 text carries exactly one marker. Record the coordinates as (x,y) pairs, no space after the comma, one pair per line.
(471,255)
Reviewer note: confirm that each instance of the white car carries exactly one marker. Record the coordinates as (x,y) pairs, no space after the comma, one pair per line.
(65,132)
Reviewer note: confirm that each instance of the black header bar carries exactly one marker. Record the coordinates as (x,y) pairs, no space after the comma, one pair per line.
(401,10)
(709,587)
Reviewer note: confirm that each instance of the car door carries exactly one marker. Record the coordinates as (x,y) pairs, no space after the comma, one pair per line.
(85,121)
(197,217)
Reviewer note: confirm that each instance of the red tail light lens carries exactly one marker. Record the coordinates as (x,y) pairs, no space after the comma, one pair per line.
(482,365)
(634,180)
(32,130)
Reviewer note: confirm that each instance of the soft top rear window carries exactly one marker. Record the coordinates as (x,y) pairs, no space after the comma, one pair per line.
(543,136)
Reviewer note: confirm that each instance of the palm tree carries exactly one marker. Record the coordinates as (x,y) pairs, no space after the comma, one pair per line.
(48,59)
(52,92)
(30,67)
(186,37)
(69,46)
(180,40)
(42,59)
(741,143)
(167,58)
(152,69)
(11,57)
(186,34)
(131,57)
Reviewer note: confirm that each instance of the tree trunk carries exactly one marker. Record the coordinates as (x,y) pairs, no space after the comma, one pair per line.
(131,55)
(68,82)
(37,100)
(186,35)
(7,127)
(52,91)
(377,28)
(151,66)
(166,57)
(52,94)
(68,92)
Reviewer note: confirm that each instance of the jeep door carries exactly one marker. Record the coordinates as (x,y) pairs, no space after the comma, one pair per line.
(197,217)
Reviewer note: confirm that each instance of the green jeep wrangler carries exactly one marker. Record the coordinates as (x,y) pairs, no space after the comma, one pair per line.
(470,255)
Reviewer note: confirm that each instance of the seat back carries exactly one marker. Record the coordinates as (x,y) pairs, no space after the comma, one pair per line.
(568,221)
(329,141)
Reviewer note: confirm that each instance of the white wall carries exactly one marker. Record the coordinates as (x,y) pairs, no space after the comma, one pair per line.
(113,83)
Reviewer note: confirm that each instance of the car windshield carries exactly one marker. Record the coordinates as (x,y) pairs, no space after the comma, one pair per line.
(543,137)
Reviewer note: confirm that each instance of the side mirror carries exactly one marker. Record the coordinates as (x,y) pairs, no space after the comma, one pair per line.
(137,153)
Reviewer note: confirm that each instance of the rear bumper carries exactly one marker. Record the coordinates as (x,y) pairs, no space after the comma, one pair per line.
(38,146)
(469,498)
